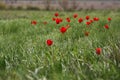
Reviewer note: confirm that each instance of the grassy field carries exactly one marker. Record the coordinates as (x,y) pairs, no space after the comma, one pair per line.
(24,54)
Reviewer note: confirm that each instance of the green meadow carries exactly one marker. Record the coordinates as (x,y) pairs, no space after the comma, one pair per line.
(24,54)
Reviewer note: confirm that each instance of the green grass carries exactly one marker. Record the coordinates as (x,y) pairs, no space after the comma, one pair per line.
(24,54)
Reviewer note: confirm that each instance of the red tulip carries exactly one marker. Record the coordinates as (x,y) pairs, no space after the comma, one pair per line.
(106,26)
(56,14)
(75,15)
(86,33)
(109,19)
(49,42)
(96,19)
(57,20)
(98,51)
(91,21)
(53,19)
(63,29)
(87,23)
(34,22)
(80,20)
(68,19)
(87,17)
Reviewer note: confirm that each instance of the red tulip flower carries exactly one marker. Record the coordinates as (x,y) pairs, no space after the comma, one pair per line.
(96,19)
(75,15)
(63,29)
(98,51)
(106,26)
(109,19)
(87,17)
(56,14)
(91,21)
(34,22)
(68,19)
(87,23)
(86,33)
(57,20)
(53,19)
(49,42)
(80,20)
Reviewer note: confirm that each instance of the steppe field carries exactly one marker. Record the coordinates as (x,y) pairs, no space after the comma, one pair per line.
(60,45)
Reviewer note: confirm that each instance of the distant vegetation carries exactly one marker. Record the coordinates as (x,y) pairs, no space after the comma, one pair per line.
(69,5)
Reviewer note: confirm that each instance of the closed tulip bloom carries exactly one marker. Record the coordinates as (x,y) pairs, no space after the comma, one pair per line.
(106,26)
(80,20)
(34,22)
(56,14)
(63,29)
(75,15)
(87,17)
(57,20)
(96,19)
(98,51)
(109,19)
(91,21)
(49,42)
(68,19)
(88,23)
(53,19)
